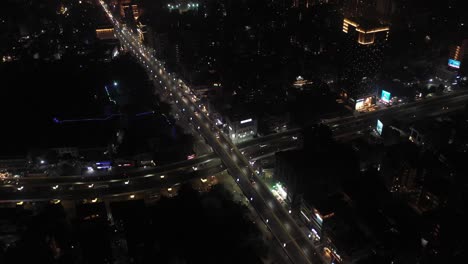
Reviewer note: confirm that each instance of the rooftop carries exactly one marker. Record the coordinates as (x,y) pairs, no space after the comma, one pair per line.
(365,25)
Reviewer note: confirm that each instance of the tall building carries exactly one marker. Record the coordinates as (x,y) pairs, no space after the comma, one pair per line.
(130,14)
(241,126)
(129,10)
(122,4)
(457,53)
(363,48)
(385,9)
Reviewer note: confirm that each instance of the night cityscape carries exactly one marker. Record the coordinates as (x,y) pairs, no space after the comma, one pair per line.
(234,131)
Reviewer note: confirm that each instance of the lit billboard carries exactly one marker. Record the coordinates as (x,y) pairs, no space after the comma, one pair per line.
(363,103)
(454,63)
(385,96)
(379,127)
(359,104)
(103,165)
(246,121)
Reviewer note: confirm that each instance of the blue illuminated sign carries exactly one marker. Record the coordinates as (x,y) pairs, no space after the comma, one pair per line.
(385,96)
(454,63)
(379,127)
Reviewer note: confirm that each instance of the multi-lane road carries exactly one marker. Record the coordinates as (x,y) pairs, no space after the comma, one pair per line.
(226,155)
(278,220)
(283,227)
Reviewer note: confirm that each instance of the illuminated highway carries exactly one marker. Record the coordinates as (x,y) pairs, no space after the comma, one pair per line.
(124,184)
(283,227)
(273,141)
(226,155)
(347,128)
(89,186)
(343,128)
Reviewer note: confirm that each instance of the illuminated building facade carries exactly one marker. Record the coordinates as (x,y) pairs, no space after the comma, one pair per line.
(300,83)
(457,53)
(363,50)
(127,4)
(289,171)
(357,8)
(142,31)
(241,128)
(105,33)
(130,11)
(122,4)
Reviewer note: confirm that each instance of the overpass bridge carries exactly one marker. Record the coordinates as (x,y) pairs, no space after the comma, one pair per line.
(90,187)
